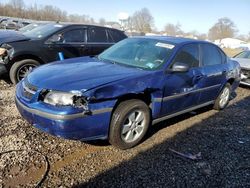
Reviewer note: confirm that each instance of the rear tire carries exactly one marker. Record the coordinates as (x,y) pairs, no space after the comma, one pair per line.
(129,124)
(223,99)
(21,69)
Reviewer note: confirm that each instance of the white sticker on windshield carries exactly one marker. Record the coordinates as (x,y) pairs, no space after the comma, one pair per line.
(150,65)
(164,45)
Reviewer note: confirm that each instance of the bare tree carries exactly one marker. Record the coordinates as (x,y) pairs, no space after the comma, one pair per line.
(143,21)
(173,29)
(222,29)
(102,21)
(17,8)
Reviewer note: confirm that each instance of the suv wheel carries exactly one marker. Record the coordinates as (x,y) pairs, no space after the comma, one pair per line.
(21,69)
(129,124)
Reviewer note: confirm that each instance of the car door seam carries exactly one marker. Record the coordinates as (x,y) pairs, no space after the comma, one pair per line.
(183,94)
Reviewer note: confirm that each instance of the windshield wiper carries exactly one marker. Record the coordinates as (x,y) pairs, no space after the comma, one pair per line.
(107,60)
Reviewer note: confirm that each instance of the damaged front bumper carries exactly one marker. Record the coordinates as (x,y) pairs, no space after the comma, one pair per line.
(245,76)
(67,122)
(5,52)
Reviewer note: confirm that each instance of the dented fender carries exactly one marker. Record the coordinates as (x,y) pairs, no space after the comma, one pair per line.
(149,85)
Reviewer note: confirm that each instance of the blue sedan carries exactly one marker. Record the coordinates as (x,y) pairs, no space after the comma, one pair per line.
(134,84)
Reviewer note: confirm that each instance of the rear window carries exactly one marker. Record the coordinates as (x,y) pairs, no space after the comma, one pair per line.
(210,55)
(97,35)
(115,36)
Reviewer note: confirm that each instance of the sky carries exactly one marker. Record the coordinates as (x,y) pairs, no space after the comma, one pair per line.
(199,15)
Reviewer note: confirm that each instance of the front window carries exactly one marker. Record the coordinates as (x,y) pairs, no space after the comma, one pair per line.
(189,55)
(43,31)
(71,36)
(139,52)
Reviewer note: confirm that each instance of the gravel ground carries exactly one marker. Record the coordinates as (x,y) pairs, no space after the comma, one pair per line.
(221,138)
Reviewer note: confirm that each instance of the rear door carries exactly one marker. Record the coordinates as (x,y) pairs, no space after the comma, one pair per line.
(215,69)
(97,40)
(71,42)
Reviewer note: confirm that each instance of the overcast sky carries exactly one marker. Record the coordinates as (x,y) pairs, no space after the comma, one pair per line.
(197,15)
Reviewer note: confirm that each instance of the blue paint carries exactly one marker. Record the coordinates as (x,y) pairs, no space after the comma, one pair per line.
(104,83)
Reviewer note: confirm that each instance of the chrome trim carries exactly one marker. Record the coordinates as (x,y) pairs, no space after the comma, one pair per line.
(58,116)
(28,89)
(186,93)
(244,83)
(181,112)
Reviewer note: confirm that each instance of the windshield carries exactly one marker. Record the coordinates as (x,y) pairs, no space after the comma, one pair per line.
(28,27)
(244,54)
(139,52)
(43,31)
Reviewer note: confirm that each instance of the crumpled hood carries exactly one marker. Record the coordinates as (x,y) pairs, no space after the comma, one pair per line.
(80,74)
(7,36)
(244,63)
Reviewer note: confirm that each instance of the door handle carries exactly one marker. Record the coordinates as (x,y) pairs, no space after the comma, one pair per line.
(198,77)
(224,72)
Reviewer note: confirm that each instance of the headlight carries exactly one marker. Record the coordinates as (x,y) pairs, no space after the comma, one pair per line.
(59,98)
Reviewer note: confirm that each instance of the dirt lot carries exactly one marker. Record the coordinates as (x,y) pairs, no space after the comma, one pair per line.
(223,138)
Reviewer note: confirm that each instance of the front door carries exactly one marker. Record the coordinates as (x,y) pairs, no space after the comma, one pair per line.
(182,88)
(70,42)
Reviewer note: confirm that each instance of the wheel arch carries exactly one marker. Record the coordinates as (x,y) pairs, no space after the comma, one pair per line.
(231,81)
(26,56)
(144,96)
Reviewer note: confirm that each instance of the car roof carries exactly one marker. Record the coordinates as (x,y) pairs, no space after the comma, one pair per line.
(173,40)
(66,24)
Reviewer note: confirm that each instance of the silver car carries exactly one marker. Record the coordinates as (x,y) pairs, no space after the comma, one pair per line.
(244,60)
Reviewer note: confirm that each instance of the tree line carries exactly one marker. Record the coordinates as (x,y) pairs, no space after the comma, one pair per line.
(141,21)
(17,8)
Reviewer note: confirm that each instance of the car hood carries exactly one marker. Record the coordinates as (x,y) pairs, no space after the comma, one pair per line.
(7,36)
(80,74)
(244,63)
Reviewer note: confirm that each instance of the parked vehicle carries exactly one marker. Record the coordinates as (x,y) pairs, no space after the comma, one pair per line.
(23,52)
(244,59)
(13,24)
(133,84)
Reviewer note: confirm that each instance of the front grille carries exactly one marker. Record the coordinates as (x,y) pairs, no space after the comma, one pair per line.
(28,90)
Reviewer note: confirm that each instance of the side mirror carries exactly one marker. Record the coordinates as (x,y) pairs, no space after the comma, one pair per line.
(55,39)
(180,67)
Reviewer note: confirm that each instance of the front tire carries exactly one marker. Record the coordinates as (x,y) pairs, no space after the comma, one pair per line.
(223,99)
(21,69)
(129,124)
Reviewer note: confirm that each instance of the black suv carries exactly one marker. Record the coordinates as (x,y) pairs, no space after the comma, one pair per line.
(19,53)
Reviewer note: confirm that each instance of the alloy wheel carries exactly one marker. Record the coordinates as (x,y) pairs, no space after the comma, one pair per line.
(24,70)
(224,97)
(133,126)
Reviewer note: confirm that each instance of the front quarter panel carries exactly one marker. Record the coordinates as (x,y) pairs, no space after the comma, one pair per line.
(149,84)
